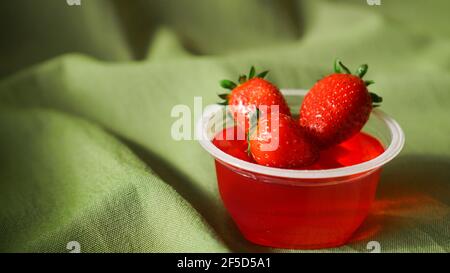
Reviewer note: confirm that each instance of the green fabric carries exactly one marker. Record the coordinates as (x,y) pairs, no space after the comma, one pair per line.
(86,94)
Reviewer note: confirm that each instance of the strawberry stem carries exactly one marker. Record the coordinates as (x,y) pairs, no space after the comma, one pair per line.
(360,72)
(347,71)
(227,84)
(376,100)
(339,66)
(242,79)
(253,125)
(223,96)
(369,82)
(263,74)
(252,72)
(249,152)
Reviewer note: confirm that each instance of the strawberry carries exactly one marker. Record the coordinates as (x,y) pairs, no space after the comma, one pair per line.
(337,106)
(252,92)
(283,146)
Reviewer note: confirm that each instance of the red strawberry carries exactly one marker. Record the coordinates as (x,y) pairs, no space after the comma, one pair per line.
(228,140)
(278,141)
(251,93)
(337,106)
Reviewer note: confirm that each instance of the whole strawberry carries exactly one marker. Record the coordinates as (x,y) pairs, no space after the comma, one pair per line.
(278,141)
(252,92)
(337,106)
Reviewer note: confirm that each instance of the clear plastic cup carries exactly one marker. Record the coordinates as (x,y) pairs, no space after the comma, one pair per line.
(303,209)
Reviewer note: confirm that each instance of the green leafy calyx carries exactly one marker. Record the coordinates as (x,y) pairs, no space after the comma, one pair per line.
(340,68)
(230,85)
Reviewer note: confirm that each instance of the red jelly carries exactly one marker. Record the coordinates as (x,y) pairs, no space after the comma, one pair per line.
(360,148)
(302,213)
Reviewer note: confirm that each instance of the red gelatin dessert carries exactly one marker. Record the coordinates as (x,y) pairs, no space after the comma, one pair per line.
(299,213)
(340,141)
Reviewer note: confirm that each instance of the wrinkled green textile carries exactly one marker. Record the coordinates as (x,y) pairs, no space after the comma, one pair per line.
(86,94)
